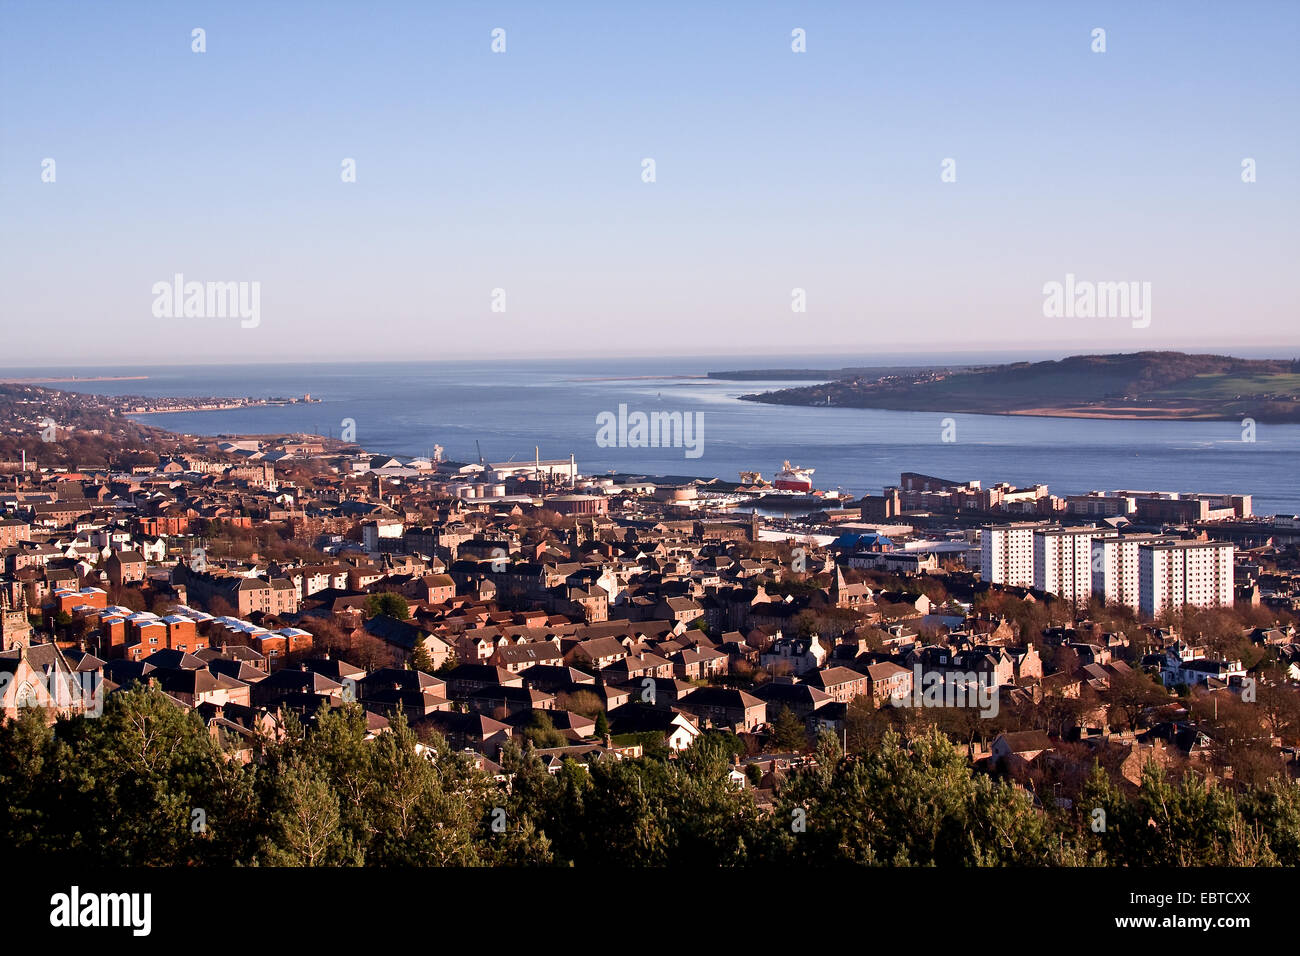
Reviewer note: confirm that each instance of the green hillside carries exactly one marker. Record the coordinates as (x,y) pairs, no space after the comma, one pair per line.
(1170,385)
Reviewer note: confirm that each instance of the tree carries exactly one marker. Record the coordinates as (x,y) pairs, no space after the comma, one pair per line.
(1058,713)
(218,606)
(788,732)
(339,748)
(602,724)
(431,804)
(541,731)
(136,776)
(306,822)
(1275,811)
(918,805)
(1194,823)
(328,637)
(370,652)
(865,724)
(1280,705)
(1132,694)
(389,603)
(585,702)
(1240,743)
(448,665)
(29,757)
(421,659)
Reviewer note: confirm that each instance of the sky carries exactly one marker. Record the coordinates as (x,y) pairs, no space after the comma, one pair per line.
(523,171)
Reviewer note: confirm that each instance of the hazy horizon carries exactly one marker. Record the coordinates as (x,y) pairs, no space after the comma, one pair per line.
(796,360)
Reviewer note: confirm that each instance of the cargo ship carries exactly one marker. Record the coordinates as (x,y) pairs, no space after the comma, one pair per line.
(793,478)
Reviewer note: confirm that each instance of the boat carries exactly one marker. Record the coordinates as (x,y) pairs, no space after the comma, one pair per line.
(793,478)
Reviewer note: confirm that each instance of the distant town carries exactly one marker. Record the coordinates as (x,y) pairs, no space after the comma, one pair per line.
(530,618)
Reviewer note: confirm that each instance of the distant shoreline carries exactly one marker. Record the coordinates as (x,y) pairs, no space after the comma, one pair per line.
(638,378)
(72,378)
(197,408)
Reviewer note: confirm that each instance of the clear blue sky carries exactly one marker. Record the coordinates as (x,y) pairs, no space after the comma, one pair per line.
(522,171)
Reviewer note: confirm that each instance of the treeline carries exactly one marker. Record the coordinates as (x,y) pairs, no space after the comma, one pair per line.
(270,541)
(145,784)
(86,431)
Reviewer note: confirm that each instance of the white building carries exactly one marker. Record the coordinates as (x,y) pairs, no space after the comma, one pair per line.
(554,470)
(1007,554)
(1184,666)
(1174,573)
(1115,567)
(1063,561)
(372,531)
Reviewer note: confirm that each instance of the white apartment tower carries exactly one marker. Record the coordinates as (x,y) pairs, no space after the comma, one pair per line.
(1007,554)
(1115,567)
(1174,573)
(1063,561)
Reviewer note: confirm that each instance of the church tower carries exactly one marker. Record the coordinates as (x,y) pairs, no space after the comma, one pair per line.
(15,629)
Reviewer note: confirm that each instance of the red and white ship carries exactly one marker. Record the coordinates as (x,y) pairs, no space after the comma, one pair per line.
(793,478)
